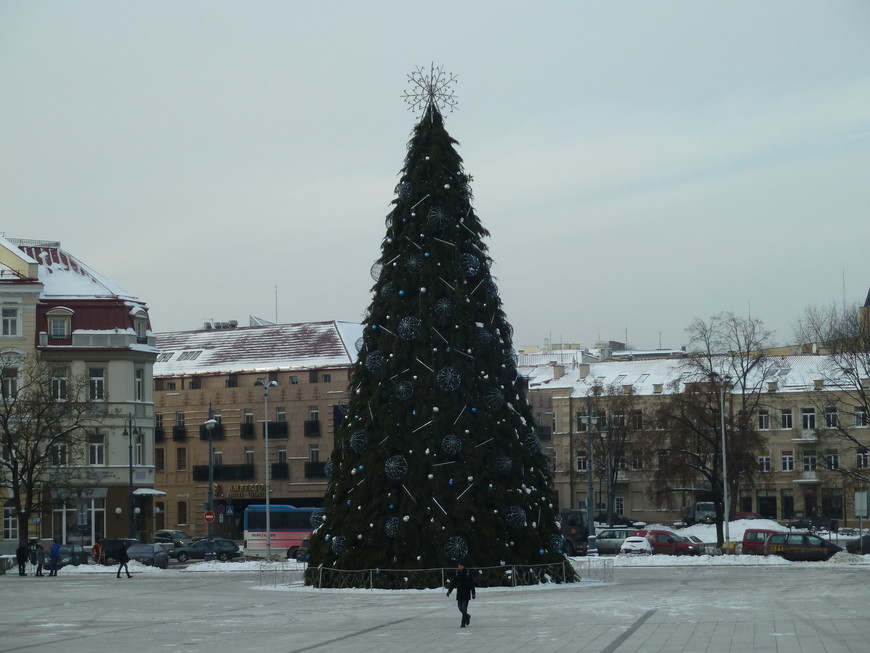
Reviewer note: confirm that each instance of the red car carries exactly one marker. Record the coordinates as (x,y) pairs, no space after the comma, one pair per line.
(668,543)
(753,540)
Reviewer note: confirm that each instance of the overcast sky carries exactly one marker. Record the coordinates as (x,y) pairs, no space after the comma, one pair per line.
(639,164)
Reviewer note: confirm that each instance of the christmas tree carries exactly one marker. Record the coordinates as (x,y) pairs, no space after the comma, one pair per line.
(437,459)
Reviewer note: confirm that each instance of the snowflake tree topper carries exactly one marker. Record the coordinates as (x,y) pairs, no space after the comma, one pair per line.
(430,89)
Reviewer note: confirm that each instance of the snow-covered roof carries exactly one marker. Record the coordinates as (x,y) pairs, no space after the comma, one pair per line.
(64,276)
(305,345)
(791,373)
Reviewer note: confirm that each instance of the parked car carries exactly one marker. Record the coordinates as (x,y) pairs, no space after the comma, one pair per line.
(302,551)
(747,515)
(814,523)
(800,546)
(859,544)
(110,547)
(669,543)
(754,539)
(618,520)
(636,545)
(152,555)
(610,539)
(168,547)
(178,538)
(222,548)
(72,554)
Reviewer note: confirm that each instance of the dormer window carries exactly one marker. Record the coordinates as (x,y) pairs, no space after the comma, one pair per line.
(140,325)
(59,323)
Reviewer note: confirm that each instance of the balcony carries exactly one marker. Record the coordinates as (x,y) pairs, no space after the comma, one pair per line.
(280,471)
(807,476)
(806,436)
(315,470)
(224,473)
(179,433)
(277,430)
(217,433)
(311,428)
(247,431)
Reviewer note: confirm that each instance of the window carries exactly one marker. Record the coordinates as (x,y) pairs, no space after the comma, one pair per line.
(182,513)
(11,322)
(195,383)
(10,381)
(763,420)
(313,453)
(10,523)
(96,451)
(312,376)
(138,451)
(619,505)
(140,326)
(97,380)
(810,460)
(326,378)
(787,461)
(189,355)
(233,381)
(860,417)
(785,418)
(179,419)
(636,461)
(280,414)
(581,463)
(58,328)
(808,419)
(217,457)
(59,455)
(282,455)
(863,459)
(160,459)
(59,384)
(294,380)
(139,385)
(181,459)
(249,417)
(637,420)
(832,420)
(165,356)
(171,385)
(313,413)
(764,463)
(832,460)
(249,455)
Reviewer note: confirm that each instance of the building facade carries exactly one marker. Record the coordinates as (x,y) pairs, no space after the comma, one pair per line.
(817,438)
(217,369)
(58,311)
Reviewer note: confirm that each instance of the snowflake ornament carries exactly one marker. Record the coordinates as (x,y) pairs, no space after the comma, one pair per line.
(432,88)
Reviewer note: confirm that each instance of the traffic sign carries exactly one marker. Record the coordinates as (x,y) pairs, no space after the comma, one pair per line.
(209,516)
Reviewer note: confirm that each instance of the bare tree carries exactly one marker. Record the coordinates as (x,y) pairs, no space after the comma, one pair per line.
(842,333)
(727,367)
(46,417)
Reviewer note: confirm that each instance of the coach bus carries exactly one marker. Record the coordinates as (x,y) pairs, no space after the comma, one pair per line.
(289,525)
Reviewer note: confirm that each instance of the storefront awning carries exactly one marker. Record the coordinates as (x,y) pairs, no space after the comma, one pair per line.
(148,492)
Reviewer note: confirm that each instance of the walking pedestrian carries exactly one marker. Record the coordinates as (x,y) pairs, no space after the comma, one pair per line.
(54,558)
(22,555)
(40,559)
(463,583)
(123,559)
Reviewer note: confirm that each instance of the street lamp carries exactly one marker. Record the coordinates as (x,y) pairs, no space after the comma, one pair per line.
(210,423)
(130,430)
(266,385)
(723,380)
(590,421)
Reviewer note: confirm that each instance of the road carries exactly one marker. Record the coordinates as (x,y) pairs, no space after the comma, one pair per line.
(795,608)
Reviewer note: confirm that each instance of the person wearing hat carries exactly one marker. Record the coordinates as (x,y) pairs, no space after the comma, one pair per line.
(463,583)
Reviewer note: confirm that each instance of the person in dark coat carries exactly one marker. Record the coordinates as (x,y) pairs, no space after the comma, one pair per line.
(463,583)
(40,559)
(22,555)
(123,559)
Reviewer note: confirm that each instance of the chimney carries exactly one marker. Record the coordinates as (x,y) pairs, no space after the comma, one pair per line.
(584,370)
(558,370)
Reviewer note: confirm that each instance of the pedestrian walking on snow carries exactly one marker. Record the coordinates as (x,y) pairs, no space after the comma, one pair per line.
(123,559)
(463,583)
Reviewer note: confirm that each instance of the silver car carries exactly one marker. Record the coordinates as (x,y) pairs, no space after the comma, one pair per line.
(610,539)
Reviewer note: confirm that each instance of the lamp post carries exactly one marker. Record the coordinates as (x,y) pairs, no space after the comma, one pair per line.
(723,381)
(210,423)
(590,421)
(266,385)
(130,430)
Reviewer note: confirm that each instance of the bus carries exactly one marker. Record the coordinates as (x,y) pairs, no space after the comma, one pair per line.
(289,526)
